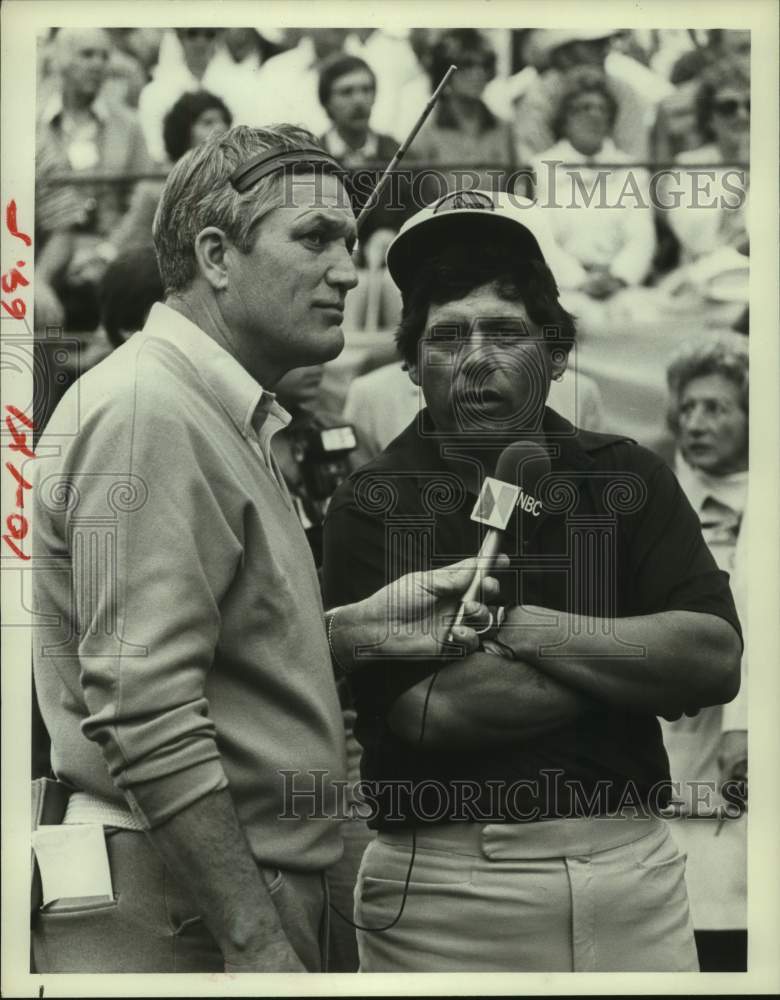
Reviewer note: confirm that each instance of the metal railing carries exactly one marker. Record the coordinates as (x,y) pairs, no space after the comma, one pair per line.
(413,168)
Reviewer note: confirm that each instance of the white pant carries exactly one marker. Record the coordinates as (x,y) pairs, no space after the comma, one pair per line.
(583,895)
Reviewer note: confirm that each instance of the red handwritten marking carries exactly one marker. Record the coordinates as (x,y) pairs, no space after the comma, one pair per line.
(23,484)
(17,524)
(15,548)
(16,308)
(14,278)
(24,525)
(21,415)
(13,228)
(20,437)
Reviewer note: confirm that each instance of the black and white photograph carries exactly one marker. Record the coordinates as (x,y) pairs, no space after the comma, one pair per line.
(389,527)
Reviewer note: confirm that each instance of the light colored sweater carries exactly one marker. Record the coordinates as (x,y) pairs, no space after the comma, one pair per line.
(179,644)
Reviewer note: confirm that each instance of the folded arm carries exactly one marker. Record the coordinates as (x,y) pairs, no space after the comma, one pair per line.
(666,663)
(486,698)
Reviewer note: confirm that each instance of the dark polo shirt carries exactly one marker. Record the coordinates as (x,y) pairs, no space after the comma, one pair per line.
(619,539)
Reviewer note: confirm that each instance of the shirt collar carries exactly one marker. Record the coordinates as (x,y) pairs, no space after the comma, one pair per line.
(608,153)
(570,447)
(729,491)
(54,107)
(252,409)
(336,146)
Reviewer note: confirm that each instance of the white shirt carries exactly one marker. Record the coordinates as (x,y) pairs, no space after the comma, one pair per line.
(394,63)
(159,95)
(701,222)
(721,503)
(692,742)
(590,233)
(337,148)
(287,87)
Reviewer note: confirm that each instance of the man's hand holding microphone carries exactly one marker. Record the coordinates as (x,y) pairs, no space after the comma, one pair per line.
(413,617)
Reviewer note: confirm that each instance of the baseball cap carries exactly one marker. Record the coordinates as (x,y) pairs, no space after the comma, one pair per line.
(467,213)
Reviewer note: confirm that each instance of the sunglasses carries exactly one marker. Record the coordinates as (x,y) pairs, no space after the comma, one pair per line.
(731,105)
(209,33)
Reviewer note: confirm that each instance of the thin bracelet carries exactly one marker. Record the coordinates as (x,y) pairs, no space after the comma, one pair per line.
(330,617)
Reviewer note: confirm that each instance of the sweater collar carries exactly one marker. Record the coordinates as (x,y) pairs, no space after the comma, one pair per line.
(252,409)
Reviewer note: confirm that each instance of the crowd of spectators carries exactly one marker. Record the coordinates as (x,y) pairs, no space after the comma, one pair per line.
(636,141)
(596,111)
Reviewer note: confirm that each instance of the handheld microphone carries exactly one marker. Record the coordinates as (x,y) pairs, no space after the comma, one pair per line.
(519,470)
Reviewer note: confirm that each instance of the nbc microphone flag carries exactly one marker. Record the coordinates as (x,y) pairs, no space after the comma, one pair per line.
(495,503)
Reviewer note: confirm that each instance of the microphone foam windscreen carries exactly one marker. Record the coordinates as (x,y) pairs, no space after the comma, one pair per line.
(524,464)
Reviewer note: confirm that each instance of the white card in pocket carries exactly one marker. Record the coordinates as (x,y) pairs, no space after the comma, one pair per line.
(73,861)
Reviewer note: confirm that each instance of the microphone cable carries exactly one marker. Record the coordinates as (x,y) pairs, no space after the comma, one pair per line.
(397,917)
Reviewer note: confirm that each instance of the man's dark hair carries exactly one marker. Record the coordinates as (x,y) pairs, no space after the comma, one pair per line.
(336,66)
(459,269)
(130,287)
(177,127)
(457,44)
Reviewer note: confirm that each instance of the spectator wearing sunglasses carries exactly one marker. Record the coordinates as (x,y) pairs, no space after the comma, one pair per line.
(677,126)
(462,132)
(197,69)
(723,115)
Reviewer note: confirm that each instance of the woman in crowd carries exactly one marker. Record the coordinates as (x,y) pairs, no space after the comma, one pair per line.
(708,416)
(711,215)
(191,120)
(462,131)
(608,243)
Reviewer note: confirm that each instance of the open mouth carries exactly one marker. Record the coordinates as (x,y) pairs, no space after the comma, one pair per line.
(480,399)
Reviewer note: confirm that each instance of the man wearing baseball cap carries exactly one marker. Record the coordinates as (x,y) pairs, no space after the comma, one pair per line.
(515,790)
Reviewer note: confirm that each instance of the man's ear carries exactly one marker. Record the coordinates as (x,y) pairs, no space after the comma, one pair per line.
(210,251)
(411,368)
(559,362)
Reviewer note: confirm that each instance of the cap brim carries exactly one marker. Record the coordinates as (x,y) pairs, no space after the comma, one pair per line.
(412,248)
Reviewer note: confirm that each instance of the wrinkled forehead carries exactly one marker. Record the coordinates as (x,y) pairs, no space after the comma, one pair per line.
(302,199)
(313,190)
(484,308)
